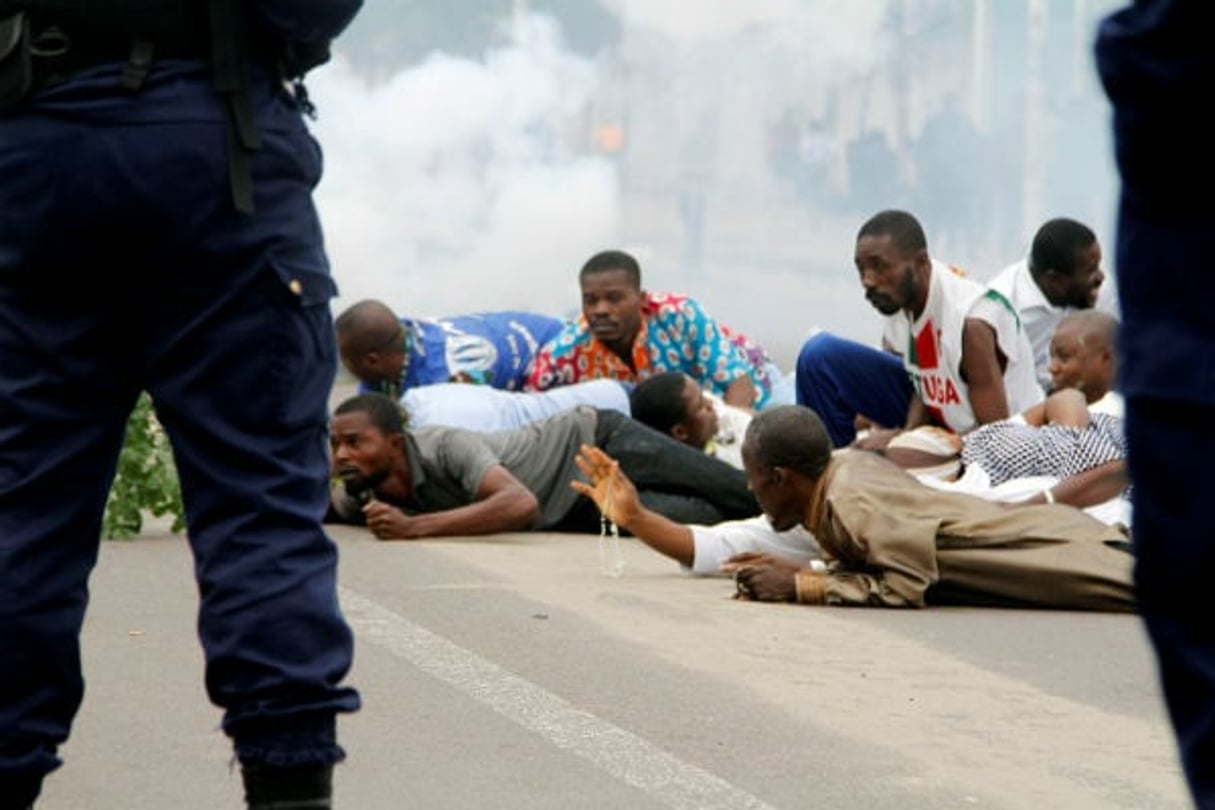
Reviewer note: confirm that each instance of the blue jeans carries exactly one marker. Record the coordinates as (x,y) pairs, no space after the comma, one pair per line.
(124,267)
(840,379)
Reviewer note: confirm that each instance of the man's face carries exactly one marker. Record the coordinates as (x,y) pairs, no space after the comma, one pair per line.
(699,417)
(1080,289)
(886,274)
(773,491)
(612,306)
(360,453)
(1074,363)
(1068,358)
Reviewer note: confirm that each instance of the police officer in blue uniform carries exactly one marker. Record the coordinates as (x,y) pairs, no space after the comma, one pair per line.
(157,233)
(1157,63)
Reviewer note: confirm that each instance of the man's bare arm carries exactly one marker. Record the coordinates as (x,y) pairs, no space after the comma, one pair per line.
(983,370)
(1091,487)
(503,504)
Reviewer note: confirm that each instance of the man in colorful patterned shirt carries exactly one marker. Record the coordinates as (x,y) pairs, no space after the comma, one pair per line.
(628,334)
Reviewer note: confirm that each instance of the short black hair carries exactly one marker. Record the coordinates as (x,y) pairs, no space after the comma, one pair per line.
(367,325)
(608,260)
(384,412)
(790,436)
(658,401)
(902,227)
(1057,246)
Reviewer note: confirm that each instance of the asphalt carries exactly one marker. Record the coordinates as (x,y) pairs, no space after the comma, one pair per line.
(512,672)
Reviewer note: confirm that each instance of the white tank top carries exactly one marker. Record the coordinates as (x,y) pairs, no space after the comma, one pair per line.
(931,347)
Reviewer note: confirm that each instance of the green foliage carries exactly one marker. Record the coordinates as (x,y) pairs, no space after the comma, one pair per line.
(146,480)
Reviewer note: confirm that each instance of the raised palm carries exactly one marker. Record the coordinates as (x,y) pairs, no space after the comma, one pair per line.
(609,488)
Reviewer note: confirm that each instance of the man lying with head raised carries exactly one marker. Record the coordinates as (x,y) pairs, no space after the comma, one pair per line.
(887,540)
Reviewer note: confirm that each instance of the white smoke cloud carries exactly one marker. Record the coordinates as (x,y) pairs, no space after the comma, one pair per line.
(451,187)
(843,37)
(462,184)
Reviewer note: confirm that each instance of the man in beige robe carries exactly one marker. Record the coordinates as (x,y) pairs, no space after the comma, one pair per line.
(890,541)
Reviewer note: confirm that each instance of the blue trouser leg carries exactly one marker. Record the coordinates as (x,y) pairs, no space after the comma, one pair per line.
(655,462)
(840,379)
(58,449)
(1151,56)
(1170,449)
(241,384)
(225,320)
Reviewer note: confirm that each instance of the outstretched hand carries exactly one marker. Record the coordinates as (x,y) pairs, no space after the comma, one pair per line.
(609,488)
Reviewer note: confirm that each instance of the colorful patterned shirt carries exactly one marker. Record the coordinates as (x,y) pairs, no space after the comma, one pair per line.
(675,335)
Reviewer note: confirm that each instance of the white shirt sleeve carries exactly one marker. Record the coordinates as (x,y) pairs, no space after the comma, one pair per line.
(715,544)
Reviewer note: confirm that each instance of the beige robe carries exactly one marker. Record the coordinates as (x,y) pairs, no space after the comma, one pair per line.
(891,541)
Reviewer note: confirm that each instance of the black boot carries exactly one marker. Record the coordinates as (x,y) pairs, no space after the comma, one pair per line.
(307,787)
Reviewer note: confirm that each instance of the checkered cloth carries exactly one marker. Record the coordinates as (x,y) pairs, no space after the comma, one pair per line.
(1007,450)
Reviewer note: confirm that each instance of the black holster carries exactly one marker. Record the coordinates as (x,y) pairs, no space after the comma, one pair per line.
(48,41)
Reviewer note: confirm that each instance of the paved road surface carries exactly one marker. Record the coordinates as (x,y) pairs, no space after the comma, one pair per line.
(512,673)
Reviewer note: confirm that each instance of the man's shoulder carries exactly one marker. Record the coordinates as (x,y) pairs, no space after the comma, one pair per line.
(955,292)
(656,302)
(954,276)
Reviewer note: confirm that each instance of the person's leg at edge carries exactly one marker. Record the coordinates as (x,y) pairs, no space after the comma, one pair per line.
(58,453)
(1170,446)
(654,461)
(840,379)
(66,388)
(244,345)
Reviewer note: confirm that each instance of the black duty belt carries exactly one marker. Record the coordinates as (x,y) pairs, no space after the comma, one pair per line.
(58,38)
(66,41)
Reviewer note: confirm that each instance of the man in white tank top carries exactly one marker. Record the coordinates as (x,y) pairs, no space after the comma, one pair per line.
(962,347)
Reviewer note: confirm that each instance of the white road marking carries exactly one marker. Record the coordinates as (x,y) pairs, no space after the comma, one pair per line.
(624,755)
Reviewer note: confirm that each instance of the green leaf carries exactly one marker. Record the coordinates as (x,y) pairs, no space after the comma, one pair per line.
(146,478)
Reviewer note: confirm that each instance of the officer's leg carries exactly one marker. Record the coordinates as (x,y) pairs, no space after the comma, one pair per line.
(840,379)
(62,413)
(246,363)
(1171,446)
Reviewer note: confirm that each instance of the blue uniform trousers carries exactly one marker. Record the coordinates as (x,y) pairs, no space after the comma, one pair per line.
(1169,370)
(1155,58)
(124,267)
(839,379)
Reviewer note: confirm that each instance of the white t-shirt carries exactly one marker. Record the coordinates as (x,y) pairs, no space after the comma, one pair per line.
(1112,403)
(486,409)
(717,543)
(1039,317)
(974,481)
(732,424)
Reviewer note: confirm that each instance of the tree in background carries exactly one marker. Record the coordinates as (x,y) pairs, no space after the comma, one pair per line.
(146,479)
